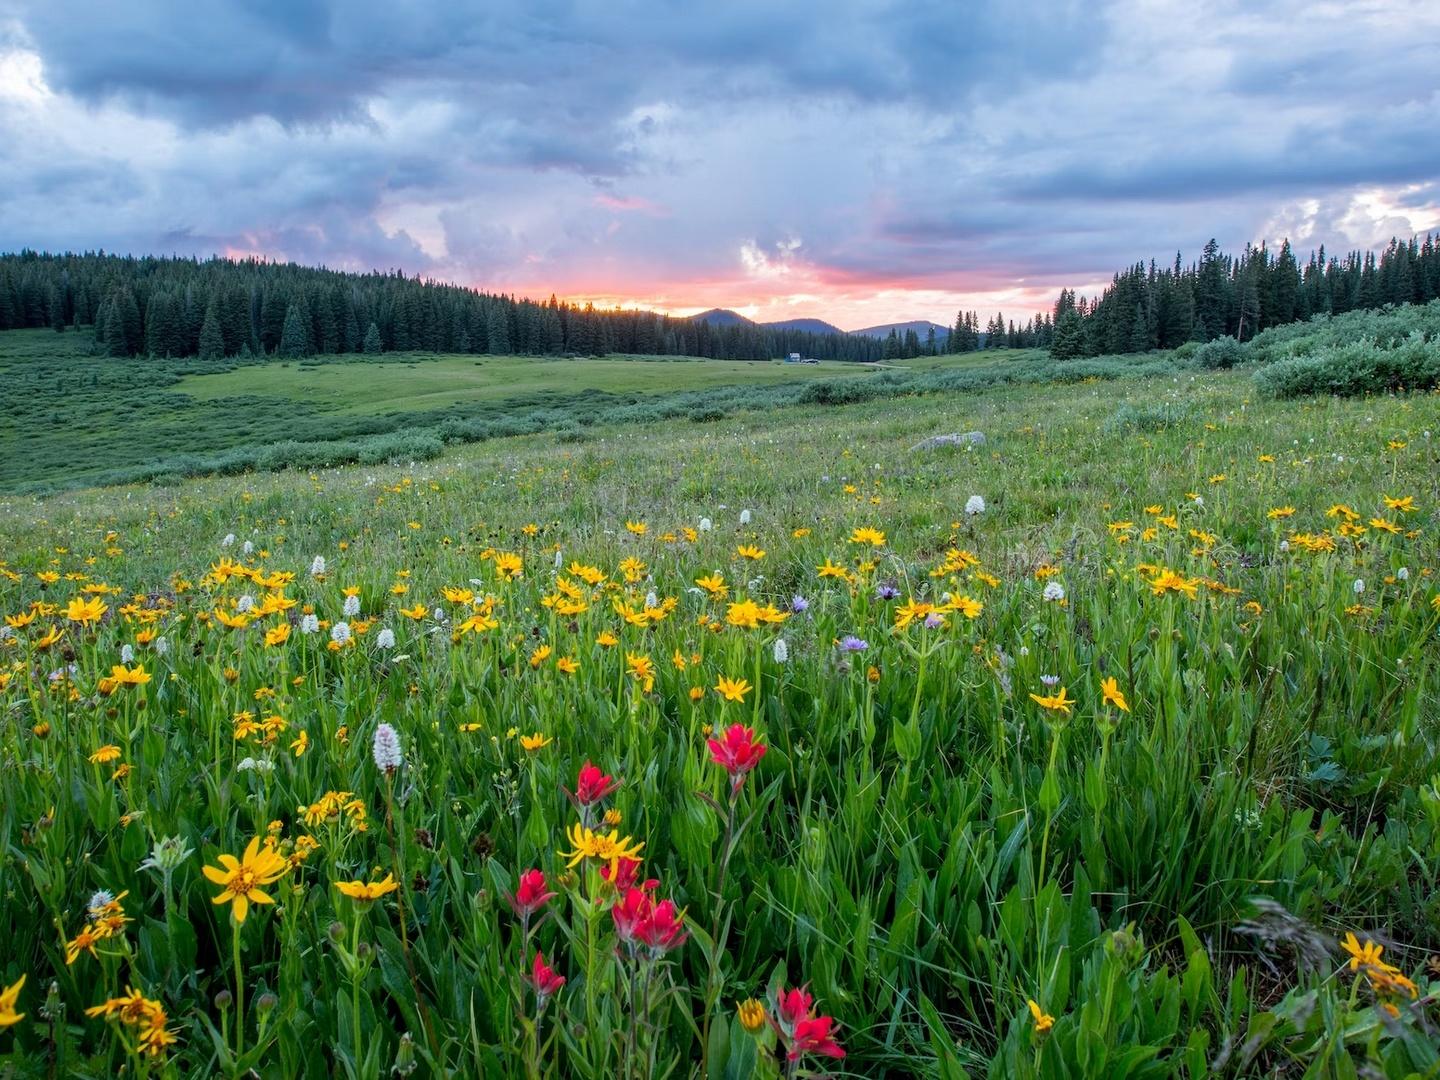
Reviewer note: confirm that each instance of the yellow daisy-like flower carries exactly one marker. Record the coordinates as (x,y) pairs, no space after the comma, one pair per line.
(532,743)
(1111,689)
(1043,1020)
(608,847)
(86,611)
(1056,702)
(733,689)
(8,997)
(242,879)
(367,892)
(752,1015)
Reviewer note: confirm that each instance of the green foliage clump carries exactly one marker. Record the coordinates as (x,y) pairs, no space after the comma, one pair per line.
(1222,353)
(1360,367)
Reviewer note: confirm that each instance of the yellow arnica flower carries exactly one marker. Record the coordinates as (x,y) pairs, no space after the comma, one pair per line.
(733,689)
(535,742)
(1043,1020)
(368,891)
(752,1015)
(608,847)
(1056,702)
(105,755)
(123,676)
(242,879)
(8,997)
(1367,955)
(86,611)
(1111,689)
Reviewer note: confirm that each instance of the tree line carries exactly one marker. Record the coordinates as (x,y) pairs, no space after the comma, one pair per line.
(1220,295)
(217,308)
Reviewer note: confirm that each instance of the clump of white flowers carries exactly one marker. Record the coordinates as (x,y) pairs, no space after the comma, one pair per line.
(975,505)
(782,651)
(310,624)
(1359,586)
(317,566)
(352,606)
(245,603)
(248,548)
(744,517)
(162,646)
(1403,574)
(386,749)
(385,639)
(229,539)
(705,525)
(127,654)
(340,634)
(1054,592)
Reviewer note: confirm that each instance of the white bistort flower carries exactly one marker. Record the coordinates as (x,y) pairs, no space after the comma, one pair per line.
(229,539)
(975,505)
(1054,591)
(782,651)
(1359,586)
(317,566)
(340,633)
(310,624)
(705,525)
(386,749)
(127,654)
(248,548)
(744,517)
(352,606)
(385,639)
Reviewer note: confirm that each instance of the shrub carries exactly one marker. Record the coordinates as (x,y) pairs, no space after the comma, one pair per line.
(1361,367)
(1223,352)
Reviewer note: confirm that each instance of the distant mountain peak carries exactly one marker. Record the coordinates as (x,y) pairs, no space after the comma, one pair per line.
(922,327)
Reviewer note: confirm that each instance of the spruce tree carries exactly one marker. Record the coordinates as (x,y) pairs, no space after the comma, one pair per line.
(294,341)
(212,340)
(373,344)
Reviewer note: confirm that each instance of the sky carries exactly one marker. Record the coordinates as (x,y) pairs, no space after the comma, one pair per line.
(857,161)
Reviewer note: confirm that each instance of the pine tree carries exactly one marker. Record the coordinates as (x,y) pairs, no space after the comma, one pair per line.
(294,340)
(212,340)
(373,345)
(1069,336)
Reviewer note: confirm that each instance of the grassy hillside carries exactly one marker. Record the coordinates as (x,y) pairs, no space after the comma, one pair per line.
(1140,742)
(68,417)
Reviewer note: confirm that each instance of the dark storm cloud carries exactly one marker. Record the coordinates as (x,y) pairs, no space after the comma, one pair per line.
(801,146)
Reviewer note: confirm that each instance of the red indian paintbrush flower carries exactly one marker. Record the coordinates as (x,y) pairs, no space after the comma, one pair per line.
(532,894)
(544,978)
(737,753)
(801,1030)
(639,919)
(813,1036)
(592,785)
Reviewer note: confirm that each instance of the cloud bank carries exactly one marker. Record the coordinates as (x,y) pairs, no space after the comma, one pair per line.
(856,161)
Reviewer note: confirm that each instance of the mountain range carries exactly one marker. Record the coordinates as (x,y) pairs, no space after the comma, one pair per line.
(726,317)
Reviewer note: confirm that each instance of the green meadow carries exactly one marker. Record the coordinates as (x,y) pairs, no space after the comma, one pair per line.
(61,406)
(1107,748)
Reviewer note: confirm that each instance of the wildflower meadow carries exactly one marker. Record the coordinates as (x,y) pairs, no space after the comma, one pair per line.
(769,747)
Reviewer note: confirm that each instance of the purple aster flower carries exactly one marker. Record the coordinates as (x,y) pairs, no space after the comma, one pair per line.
(1051,681)
(798,604)
(851,643)
(887,592)
(933,620)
